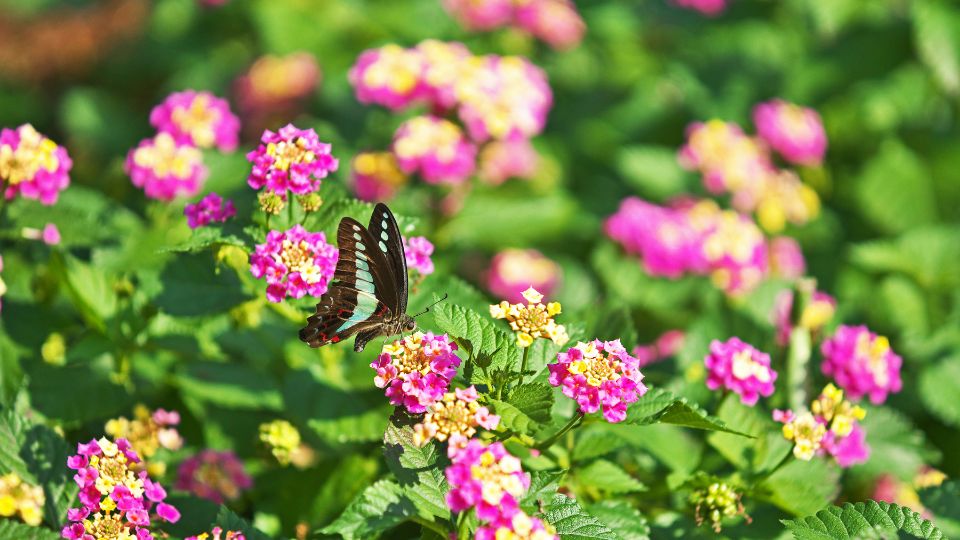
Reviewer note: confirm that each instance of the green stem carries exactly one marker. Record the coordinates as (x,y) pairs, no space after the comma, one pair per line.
(463,526)
(432,525)
(523,363)
(291,211)
(577,418)
(768,474)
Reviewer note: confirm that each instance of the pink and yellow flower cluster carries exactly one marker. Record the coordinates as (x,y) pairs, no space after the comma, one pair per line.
(739,367)
(213,475)
(692,237)
(117,502)
(417,251)
(862,363)
(416,370)
(32,165)
(831,427)
(599,374)
(454,418)
(556,22)
(210,209)
(147,433)
(512,271)
(18,498)
(290,159)
(532,320)
(295,263)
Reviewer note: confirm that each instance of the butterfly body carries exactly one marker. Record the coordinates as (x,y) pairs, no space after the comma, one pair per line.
(368,296)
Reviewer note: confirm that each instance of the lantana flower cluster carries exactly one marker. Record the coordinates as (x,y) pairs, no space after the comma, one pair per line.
(290,160)
(513,271)
(668,344)
(486,478)
(210,209)
(117,502)
(282,439)
(500,99)
(416,371)
(18,498)
(556,22)
(417,252)
(831,427)
(170,164)
(862,363)
(454,418)
(739,367)
(32,165)
(275,87)
(532,320)
(147,433)
(692,237)
(295,263)
(733,162)
(376,176)
(599,374)
(214,475)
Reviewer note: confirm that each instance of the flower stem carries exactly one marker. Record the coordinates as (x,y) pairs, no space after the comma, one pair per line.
(577,418)
(523,363)
(432,525)
(291,211)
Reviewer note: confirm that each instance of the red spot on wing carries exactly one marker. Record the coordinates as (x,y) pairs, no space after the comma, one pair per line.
(335,339)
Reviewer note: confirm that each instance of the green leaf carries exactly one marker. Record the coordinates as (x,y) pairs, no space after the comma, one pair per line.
(662,406)
(758,454)
(513,419)
(935,26)
(944,502)
(895,191)
(653,170)
(595,441)
(230,385)
(608,477)
(13,430)
(481,334)
(869,519)
(205,238)
(89,288)
(625,520)
(573,522)
(194,285)
(930,255)
(419,470)
(897,447)
(543,486)
(939,388)
(803,487)
(533,399)
(378,508)
(9,528)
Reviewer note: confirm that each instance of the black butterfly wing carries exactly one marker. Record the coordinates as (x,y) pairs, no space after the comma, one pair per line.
(384,229)
(354,301)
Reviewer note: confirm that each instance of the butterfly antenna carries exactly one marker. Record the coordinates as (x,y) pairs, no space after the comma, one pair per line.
(426,309)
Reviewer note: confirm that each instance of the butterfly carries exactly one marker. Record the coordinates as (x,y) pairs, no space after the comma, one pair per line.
(368,296)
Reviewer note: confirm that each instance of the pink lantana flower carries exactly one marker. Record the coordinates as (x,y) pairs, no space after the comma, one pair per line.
(435,148)
(664,238)
(417,370)
(418,250)
(389,76)
(487,478)
(480,15)
(599,374)
(209,209)
(733,247)
(862,363)
(166,169)
(518,526)
(795,132)
(454,417)
(668,344)
(215,534)
(512,271)
(786,258)
(198,118)
(290,159)
(556,22)
(850,450)
(33,166)
(442,65)
(502,97)
(740,368)
(295,263)
(728,159)
(376,176)
(117,502)
(213,475)
(506,159)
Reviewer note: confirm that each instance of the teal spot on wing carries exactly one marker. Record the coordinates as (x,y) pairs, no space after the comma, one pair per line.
(383,247)
(362,265)
(366,306)
(367,285)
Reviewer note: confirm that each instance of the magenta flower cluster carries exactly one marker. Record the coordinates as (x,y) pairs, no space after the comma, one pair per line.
(116,501)
(739,367)
(513,271)
(290,159)
(795,132)
(501,160)
(32,166)
(275,87)
(200,119)
(436,149)
(213,475)
(862,363)
(416,370)
(692,238)
(599,374)
(848,450)
(487,478)
(556,22)
(295,263)
(667,345)
(418,250)
(209,209)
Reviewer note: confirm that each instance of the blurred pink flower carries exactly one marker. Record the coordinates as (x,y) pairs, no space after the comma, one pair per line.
(786,258)
(556,22)
(728,159)
(795,132)
(480,14)
(442,65)
(33,166)
(197,118)
(209,209)
(290,159)
(51,234)
(707,7)
(295,263)
(667,345)
(862,363)
(817,314)
(213,475)
(166,169)
(389,76)
(276,84)
(416,370)
(599,374)
(502,97)
(740,368)
(513,271)
(664,239)
(418,251)
(435,148)
(376,176)
(505,159)
(849,450)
